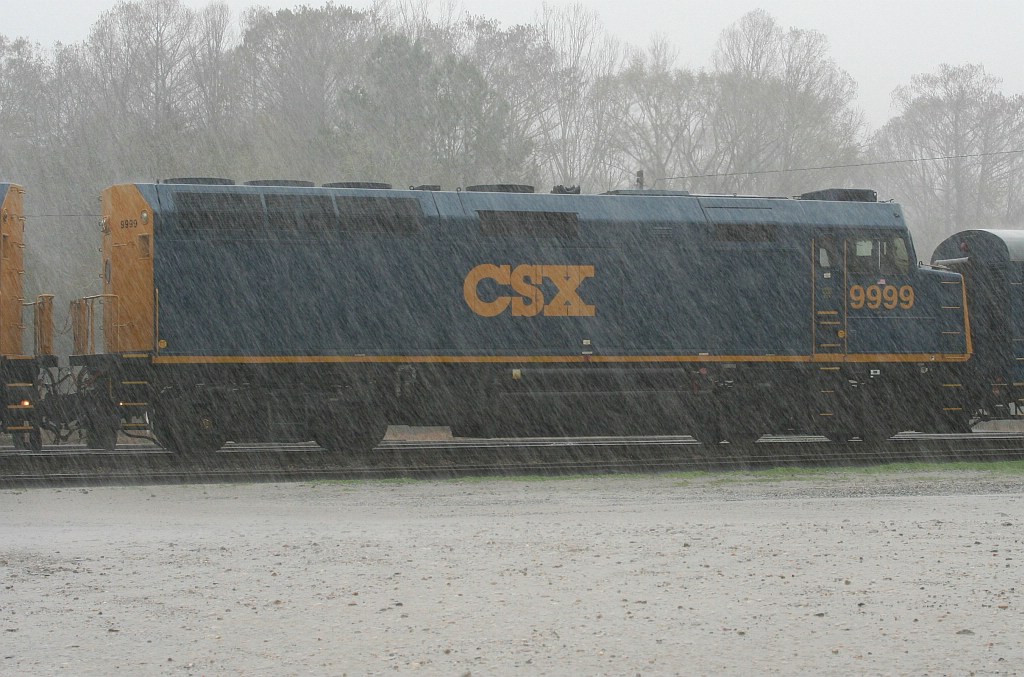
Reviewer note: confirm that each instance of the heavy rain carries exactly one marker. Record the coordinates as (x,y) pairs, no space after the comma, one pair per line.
(396,338)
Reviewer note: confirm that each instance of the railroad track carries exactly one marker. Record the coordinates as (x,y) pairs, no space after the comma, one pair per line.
(146,463)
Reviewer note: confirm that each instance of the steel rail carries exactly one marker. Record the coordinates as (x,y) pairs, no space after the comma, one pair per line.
(140,464)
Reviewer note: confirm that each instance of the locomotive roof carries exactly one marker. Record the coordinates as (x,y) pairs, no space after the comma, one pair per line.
(989,244)
(635,207)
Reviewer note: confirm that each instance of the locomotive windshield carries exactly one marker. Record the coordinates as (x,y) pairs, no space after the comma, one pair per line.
(881,255)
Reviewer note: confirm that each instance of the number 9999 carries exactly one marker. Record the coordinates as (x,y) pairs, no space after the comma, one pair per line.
(885,296)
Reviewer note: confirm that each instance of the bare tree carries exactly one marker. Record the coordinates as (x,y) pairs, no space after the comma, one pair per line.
(958,116)
(819,123)
(137,55)
(433,118)
(751,46)
(22,70)
(515,62)
(214,107)
(574,135)
(661,119)
(298,69)
(209,64)
(431,22)
(783,105)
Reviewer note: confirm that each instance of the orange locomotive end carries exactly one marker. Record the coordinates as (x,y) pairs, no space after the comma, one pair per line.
(19,372)
(12,268)
(12,283)
(126,309)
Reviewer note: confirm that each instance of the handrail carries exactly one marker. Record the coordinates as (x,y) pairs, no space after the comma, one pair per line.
(42,324)
(83,323)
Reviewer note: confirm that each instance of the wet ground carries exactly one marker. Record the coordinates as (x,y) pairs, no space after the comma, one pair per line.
(834,572)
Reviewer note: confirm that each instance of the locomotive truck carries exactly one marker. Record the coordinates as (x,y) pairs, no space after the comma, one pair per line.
(285,311)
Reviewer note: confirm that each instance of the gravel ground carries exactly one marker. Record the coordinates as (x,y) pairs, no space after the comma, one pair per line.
(838,573)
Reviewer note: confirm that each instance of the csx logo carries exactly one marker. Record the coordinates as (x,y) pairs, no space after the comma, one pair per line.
(526,283)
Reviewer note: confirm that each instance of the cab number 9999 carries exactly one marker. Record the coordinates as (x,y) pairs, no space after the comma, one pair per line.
(877,296)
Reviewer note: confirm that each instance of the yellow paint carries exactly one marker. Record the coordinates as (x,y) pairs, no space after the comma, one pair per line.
(43,324)
(12,269)
(881,296)
(528,299)
(128,305)
(557,359)
(967,320)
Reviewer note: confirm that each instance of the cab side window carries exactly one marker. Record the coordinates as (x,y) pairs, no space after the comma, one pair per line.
(827,255)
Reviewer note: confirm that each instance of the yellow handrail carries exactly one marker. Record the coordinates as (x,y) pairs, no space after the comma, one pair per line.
(42,323)
(83,323)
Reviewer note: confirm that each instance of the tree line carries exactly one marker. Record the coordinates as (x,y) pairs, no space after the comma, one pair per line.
(329,93)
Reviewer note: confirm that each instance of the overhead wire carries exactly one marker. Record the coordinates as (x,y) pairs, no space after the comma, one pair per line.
(846,166)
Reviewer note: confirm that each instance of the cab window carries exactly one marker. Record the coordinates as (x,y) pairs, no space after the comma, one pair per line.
(878,255)
(828,256)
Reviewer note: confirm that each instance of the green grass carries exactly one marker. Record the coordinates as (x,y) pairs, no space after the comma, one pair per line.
(1001,467)
(922,469)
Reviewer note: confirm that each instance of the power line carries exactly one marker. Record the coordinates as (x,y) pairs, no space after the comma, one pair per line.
(728,174)
(849,166)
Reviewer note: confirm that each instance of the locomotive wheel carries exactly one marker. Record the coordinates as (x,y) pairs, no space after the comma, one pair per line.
(352,441)
(99,436)
(959,426)
(708,435)
(102,424)
(875,436)
(356,433)
(32,440)
(840,436)
(188,433)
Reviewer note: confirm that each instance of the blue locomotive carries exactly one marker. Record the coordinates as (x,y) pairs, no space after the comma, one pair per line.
(284,311)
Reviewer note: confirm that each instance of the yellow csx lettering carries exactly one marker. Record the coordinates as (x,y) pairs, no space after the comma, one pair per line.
(528,298)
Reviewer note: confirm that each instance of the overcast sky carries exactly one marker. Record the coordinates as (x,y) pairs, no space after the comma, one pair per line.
(881,43)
